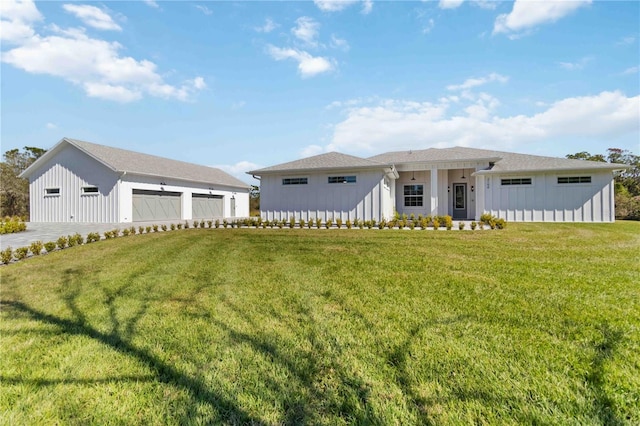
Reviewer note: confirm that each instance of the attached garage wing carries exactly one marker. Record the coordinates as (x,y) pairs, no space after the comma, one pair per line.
(207,206)
(156,205)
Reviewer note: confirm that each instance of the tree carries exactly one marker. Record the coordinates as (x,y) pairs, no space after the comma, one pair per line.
(14,191)
(627,182)
(254,199)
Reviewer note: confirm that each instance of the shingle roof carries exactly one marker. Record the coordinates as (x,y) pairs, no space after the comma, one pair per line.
(330,160)
(504,161)
(122,160)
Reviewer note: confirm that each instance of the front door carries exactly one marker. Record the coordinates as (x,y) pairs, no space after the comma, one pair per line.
(233,206)
(459,200)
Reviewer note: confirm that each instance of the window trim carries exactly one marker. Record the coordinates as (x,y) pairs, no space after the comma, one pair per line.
(89,190)
(52,192)
(516,181)
(588,180)
(289,181)
(344,179)
(413,198)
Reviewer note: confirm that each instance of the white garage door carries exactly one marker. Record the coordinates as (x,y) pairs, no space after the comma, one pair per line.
(207,206)
(155,205)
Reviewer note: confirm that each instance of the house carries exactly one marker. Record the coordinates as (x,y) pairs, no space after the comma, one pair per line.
(77,181)
(460,182)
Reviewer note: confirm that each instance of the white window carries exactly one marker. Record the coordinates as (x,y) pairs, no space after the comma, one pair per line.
(294,181)
(342,179)
(574,179)
(413,195)
(90,190)
(515,181)
(52,191)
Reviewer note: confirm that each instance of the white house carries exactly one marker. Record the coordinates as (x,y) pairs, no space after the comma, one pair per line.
(77,181)
(461,182)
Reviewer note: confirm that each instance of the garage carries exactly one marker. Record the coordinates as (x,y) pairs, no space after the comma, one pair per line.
(205,206)
(156,205)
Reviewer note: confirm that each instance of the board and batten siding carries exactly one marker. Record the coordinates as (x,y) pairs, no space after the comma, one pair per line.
(369,198)
(545,200)
(71,170)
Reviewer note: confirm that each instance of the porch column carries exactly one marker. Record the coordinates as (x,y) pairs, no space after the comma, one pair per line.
(434,192)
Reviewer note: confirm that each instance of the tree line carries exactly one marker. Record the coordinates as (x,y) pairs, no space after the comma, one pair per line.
(14,191)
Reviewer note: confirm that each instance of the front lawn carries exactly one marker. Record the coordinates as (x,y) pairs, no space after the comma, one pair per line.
(537,323)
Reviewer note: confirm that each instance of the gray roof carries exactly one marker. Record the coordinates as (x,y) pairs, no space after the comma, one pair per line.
(328,161)
(505,162)
(122,160)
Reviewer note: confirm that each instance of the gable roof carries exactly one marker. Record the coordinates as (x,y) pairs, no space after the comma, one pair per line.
(328,161)
(122,160)
(504,162)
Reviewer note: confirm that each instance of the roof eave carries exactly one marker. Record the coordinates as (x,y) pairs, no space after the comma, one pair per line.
(130,172)
(610,168)
(320,169)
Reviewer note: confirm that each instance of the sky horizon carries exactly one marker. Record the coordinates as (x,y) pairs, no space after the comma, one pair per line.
(245,85)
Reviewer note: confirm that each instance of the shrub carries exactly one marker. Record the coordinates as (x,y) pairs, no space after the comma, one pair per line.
(50,246)
(94,236)
(412,225)
(302,223)
(225,223)
(196,224)
(62,242)
(403,222)
(126,232)
(217,223)
(21,253)
(140,230)
(473,225)
(481,225)
(292,222)
(202,224)
(448,221)
(280,224)
(172,227)
(6,255)
(436,223)
(310,224)
(328,223)
(348,224)
(155,228)
(79,239)
(382,224)
(461,225)
(164,227)
(71,240)
(147,229)
(500,223)
(361,224)
(132,230)
(186,225)
(318,223)
(179,226)
(424,223)
(339,222)
(209,223)
(10,225)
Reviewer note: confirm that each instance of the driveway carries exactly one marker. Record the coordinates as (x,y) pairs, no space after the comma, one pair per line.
(51,231)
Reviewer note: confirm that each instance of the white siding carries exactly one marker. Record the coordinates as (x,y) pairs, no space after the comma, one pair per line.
(366,199)
(547,201)
(71,170)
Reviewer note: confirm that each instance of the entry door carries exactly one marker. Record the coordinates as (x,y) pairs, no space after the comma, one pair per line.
(459,200)
(233,206)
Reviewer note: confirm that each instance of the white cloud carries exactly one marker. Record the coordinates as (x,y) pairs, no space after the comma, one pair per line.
(450,4)
(338,43)
(338,5)
(306,29)
(204,9)
(17,19)
(94,65)
(428,26)
(486,4)
(311,150)
(92,16)
(307,65)
(574,66)
(237,105)
(632,70)
(475,82)
(527,15)
(51,126)
(626,41)
(268,26)
(240,169)
(152,3)
(400,124)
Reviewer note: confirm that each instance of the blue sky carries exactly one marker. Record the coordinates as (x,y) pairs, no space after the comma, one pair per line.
(242,85)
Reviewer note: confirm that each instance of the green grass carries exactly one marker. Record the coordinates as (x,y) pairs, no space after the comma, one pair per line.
(538,323)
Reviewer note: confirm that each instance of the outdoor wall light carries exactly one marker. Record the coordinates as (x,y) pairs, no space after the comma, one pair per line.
(163,183)
(472,187)
(448,189)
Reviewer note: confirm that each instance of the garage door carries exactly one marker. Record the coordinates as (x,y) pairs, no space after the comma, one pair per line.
(207,206)
(156,205)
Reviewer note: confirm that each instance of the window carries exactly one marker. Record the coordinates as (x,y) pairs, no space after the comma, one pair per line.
(413,195)
(574,179)
(342,179)
(294,181)
(52,191)
(89,189)
(516,181)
